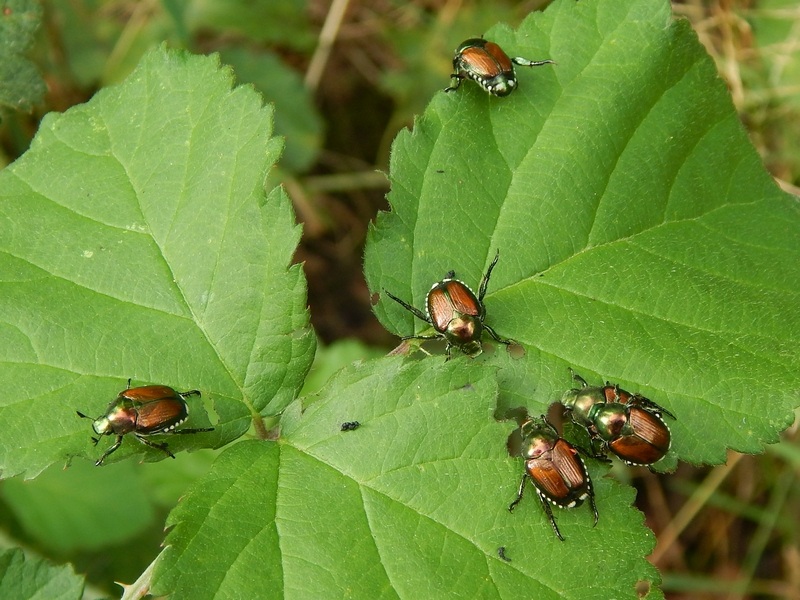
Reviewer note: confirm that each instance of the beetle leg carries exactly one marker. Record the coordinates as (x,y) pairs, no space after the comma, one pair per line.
(496,337)
(163,447)
(413,310)
(400,349)
(524,62)
(113,448)
(421,337)
(596,455)
(190,393)
(485,281)
(661,409)
(666,412)
(520,491)
(453,87)
(593,505)
(550,516)
(200,430)
(649,405)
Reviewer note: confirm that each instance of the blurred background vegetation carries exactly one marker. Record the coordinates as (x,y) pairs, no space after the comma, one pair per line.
(345,76)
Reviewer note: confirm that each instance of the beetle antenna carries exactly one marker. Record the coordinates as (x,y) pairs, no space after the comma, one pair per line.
(578,378)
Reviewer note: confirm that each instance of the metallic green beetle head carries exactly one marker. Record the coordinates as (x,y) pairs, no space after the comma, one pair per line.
(580,403)
(102,425)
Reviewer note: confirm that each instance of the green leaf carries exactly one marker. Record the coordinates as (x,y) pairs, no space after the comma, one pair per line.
(415,499)
(137,242)
(21,86)
(22,578)
(641,240)
(296,117)
(167,481)
(88,514)
(332,358)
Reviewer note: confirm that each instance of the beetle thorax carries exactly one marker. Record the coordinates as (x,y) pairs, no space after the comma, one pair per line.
(464,328)
(120,420)
(611,420)
(464,331)
(537,447)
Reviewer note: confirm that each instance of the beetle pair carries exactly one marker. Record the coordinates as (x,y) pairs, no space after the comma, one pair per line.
(487,65)
(143,411)
(629,425)
(456,313)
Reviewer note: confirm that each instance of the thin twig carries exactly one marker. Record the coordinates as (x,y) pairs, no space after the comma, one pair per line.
(693,505)
(327,36)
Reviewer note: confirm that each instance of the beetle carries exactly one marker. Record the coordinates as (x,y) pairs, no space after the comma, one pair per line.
(554,467)
(456,313)
(488,65)
(629,425)
(143,411)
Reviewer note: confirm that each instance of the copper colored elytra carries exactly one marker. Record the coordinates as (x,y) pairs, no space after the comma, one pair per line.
(487,60)
(629,425)
(143,411)
(487,65)
(553,466)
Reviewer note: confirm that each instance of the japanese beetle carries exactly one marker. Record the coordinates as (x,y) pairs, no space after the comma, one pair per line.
(485,63)
(456,313)
(629,425)
(143,411)
(554,467)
